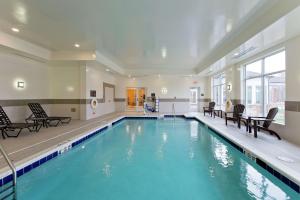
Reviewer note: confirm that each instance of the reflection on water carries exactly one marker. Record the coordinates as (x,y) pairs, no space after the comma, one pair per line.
(259,186)
(221,153)
(212,172)
(194,130)
(165,137)
(127,129)
(107,170)
(129,154)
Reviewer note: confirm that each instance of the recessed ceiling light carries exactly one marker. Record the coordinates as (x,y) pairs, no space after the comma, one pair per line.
(76,45)
(107,70)
(15,30)
(164,52)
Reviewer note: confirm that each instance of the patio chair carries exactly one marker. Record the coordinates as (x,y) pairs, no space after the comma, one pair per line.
(9,127)
(209,109)
(267,121)
(39,112)
(237,112)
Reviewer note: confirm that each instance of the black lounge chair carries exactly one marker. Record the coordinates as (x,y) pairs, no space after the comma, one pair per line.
(2,130)
(8,126)
(209,109)
(38,112)
(238,111)
(267,121)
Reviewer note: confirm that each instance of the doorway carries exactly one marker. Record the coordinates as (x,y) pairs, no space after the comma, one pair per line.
(135,98)
(194,92)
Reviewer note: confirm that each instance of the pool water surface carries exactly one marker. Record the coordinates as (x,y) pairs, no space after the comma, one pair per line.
(152,159)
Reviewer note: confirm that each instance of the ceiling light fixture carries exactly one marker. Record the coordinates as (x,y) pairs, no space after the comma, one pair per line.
(16,30)
(107,70)
(76,45)
(164,52)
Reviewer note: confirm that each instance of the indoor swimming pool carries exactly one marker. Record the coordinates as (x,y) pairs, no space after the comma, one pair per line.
(152,159)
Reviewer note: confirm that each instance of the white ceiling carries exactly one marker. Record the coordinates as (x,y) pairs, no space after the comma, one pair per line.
(271,39)
(132,33)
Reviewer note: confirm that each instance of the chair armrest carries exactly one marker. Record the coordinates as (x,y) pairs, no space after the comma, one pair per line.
(261,119)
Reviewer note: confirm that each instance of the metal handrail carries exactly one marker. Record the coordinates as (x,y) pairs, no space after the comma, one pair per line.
(13,169)
(173,110)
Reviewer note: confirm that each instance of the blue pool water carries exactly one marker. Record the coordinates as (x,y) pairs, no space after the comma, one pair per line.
(152,160)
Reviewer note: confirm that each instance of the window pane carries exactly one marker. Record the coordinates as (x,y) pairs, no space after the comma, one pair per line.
(223,95)
(253,107)
(258,94)
(254,69)
(249,94)
(275,62)
(275,94)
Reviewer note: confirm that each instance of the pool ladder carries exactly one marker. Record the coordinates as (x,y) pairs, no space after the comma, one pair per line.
(9,192)
(173,110)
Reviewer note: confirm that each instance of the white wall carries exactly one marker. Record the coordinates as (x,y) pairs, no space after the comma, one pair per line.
(15,68)
(34,74)
(95,76)
(177,87)
(65,84)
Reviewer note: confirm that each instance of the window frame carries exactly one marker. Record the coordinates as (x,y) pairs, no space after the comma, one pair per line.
(262,77)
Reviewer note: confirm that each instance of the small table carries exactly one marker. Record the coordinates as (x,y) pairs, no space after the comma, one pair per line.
(2,128)
(255,120)
(218,112)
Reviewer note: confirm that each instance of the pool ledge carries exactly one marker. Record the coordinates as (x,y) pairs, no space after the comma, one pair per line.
(265,149)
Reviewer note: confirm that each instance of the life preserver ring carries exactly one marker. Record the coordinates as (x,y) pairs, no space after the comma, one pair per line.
(94,103)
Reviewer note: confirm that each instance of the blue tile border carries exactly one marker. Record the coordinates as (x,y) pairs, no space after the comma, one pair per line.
(50,156)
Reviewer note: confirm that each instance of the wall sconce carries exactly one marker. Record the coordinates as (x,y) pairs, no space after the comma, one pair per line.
(229,87)
(164,90)
(20,84)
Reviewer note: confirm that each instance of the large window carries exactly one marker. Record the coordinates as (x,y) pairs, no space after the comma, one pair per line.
(218,89)
(265,85)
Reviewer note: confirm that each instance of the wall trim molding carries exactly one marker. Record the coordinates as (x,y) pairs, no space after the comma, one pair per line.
(24,102)
(292,106)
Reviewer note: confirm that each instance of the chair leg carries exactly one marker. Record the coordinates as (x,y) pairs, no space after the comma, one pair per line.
(20,130)
(226,121)
(3,132)
(274,133)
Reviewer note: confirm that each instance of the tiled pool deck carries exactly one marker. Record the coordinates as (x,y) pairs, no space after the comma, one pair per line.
(266,148)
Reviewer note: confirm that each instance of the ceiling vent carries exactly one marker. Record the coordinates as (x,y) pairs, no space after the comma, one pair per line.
(243,52)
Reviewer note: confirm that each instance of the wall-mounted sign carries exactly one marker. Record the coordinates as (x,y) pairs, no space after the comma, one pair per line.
(93,93)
